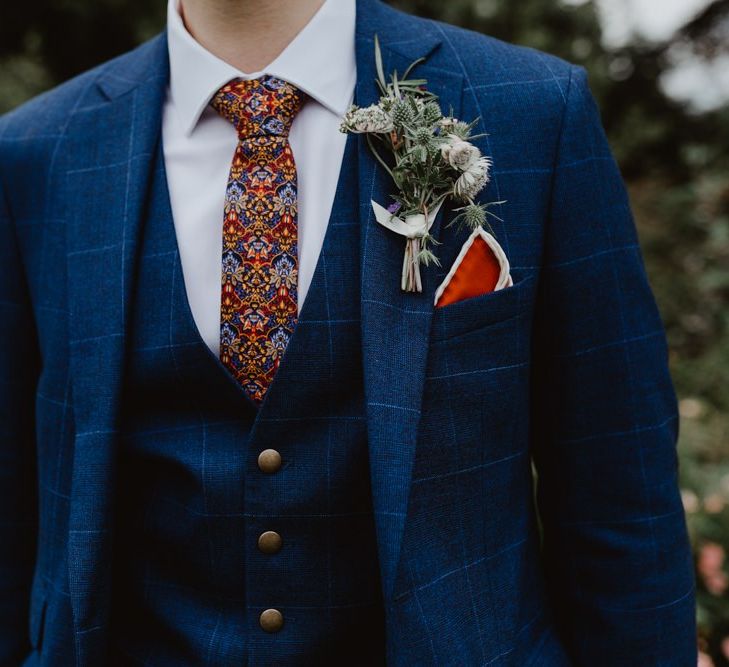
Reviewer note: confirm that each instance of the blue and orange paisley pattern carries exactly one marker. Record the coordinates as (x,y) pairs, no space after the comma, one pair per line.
(258,310)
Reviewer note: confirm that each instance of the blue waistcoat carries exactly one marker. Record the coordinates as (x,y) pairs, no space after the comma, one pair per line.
(189,579)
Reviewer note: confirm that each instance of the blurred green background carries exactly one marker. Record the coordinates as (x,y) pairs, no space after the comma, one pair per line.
(664,105)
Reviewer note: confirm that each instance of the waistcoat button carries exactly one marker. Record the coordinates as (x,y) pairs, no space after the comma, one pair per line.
(271,620)
(269,542)
(269,460)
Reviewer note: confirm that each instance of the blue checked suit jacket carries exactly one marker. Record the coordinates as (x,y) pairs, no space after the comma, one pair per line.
(567,369)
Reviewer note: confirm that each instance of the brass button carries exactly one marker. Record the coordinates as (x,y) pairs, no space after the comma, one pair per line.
(269,542)
(271,620)
(269,460)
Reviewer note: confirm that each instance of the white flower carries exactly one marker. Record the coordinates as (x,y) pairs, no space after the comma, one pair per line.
(461,155)
(367,119)
(473,180)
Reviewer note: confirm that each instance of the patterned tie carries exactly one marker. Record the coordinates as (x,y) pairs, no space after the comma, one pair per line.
(258,309)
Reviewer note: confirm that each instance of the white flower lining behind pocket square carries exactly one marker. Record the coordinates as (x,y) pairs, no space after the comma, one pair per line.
(504,279)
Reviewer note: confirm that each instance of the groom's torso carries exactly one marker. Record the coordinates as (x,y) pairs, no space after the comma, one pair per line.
(207,536)
(436,421)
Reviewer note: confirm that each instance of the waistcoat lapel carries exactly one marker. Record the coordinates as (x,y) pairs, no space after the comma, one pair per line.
(395,324)
(110,144)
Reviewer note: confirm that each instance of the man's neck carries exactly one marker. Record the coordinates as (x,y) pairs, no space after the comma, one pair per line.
(248,34)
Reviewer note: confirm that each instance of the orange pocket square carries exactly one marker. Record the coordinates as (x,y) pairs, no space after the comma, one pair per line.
(481,267)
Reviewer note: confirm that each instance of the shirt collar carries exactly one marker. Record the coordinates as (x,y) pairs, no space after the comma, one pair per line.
(320,61)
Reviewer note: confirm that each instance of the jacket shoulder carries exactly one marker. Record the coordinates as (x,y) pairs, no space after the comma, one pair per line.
(486,57)
(508,78)
(478,55)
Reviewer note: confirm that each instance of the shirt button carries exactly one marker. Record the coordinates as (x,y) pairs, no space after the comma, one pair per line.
(269,542)
(269,460)
(271,620)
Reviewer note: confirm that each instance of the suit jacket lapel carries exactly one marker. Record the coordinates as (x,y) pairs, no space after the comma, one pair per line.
(110,143)
(395,325)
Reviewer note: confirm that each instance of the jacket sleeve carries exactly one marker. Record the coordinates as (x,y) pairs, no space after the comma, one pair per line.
(604,423)
(18,493)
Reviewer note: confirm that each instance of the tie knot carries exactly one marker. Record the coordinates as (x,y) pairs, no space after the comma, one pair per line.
(258,107)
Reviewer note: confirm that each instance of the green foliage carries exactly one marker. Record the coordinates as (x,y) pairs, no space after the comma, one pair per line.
(675,162)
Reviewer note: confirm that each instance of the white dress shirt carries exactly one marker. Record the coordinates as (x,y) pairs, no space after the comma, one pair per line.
(199,146)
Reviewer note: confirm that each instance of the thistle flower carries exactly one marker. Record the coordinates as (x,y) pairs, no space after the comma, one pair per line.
(427,257)
(455,127)
(402,113)
(423,136)
(474,216)
(431,113)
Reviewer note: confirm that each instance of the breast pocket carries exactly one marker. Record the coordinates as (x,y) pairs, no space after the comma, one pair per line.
(476,391)
(470,315)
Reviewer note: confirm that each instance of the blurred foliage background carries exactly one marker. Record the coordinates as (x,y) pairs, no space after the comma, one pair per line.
(675,160)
